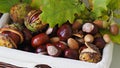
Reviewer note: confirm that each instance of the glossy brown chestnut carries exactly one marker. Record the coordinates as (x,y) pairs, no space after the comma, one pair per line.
(72,54)
(41,49)
(62,45)
(64,32)
(39,39)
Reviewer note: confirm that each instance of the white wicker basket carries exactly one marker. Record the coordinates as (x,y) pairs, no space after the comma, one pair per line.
(29,60)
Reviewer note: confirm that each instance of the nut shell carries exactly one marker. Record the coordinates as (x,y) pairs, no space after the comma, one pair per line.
(18,12)
(33,21)
(6,41)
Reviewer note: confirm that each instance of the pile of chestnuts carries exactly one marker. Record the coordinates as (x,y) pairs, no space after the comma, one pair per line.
(79,41)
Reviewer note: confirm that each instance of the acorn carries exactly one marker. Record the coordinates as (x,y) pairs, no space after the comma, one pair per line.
(33,21)
(18,12)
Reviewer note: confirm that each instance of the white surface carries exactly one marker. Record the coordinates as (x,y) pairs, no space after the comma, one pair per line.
(29,60)
(116,57)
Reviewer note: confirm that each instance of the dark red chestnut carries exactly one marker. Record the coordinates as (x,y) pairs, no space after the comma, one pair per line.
(41,49)
(27,34)
(64,32)
(52,50)
(72,54)
(99,42)
(90,28)
(62,45)
(39,39)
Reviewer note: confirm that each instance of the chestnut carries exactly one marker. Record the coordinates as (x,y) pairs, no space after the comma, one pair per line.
(62,45)
(72,43)
(14,34)
(90,57)
(89,38)
(99,42)
(90,28)
(77,25)
(6,41)
(52,31)
(64,32)
(106,37)
(52,50)
(41,50)
(27,34)
(71,53)
(54,39)
(33,21)
(99,23)
(90,54)
(39,39)
(114,29)
(18,12)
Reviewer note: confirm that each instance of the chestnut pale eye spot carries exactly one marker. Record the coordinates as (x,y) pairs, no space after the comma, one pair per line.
(52,50)
(88,27)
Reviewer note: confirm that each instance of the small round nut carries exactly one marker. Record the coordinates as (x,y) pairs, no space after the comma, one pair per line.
(114,29)
(72,43)
(90,28)
(106,38)
(89,38)
(54,39)
(99,23)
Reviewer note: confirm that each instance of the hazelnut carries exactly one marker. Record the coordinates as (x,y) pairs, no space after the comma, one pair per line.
(90,28)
